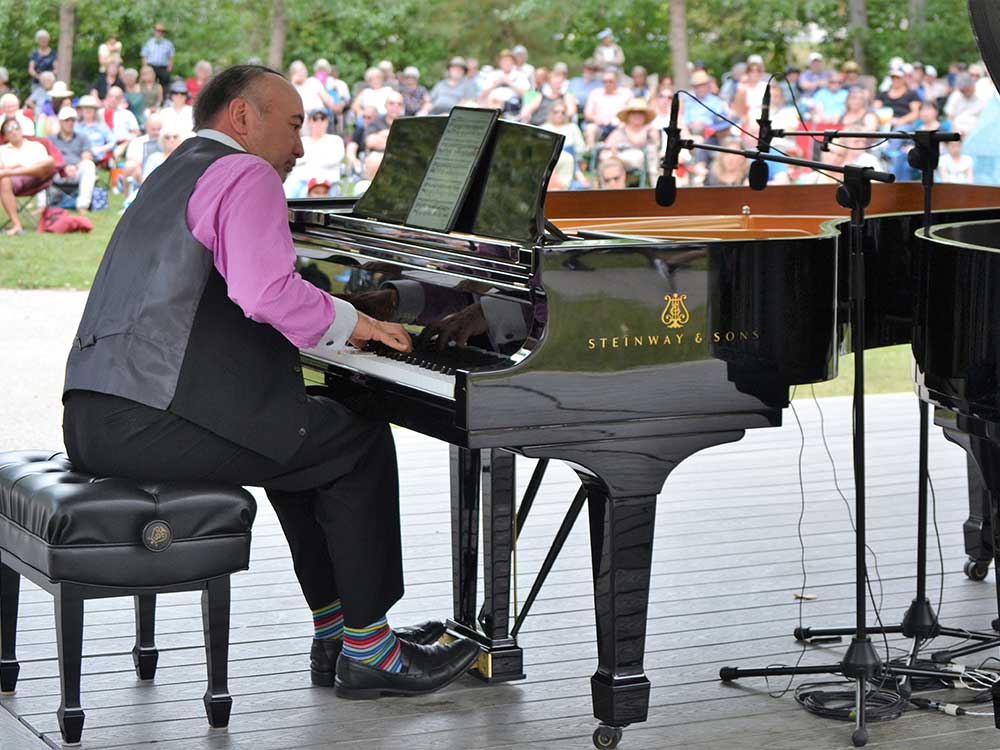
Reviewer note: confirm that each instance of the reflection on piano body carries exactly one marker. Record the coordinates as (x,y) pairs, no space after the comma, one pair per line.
(651,334)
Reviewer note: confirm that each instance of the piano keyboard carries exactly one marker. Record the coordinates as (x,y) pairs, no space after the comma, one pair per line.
(432,372)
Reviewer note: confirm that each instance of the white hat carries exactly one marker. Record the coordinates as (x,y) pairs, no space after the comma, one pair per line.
(68,113)
(930,70)
(87,100)
(755,60)
(814,56)
(410,72)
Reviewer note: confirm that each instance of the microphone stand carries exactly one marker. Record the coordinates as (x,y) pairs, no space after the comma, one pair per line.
(920,622)
(861,662)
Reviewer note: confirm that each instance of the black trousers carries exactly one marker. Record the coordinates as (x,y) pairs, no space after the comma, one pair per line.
(337,499)
(163,77)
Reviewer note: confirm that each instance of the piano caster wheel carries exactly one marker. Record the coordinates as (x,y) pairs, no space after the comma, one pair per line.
(977,570)
(859,738)
(607,737)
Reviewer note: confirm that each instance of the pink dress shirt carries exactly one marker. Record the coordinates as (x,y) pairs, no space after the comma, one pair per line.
(238,211)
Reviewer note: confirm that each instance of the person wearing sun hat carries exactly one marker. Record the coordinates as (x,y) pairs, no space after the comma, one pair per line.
(708,119)
(94,127)
(633,141)
(158,52)
(453,88)
(178,114)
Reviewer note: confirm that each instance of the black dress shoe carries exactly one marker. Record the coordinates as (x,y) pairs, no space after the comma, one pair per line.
(425,669)
(324,653)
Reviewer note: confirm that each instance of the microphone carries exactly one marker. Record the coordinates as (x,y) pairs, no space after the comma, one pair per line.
(758,170)
(666,183)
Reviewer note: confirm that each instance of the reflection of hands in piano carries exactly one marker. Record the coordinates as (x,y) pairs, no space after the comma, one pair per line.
(391,334)
(458,327)
(380,304)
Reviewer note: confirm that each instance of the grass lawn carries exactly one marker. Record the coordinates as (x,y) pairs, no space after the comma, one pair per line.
(67,261)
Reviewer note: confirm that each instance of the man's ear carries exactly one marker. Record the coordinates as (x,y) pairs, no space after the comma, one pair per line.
(239,115)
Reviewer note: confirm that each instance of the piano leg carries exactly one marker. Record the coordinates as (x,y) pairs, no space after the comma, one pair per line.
(621,543)
(501,659)
(978,530)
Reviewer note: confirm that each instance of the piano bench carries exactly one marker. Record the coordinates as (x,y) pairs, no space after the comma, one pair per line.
(82,537)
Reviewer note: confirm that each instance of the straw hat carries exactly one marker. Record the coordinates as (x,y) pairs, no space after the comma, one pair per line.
(700,78)
(88,101)
(59,90)
(637,105)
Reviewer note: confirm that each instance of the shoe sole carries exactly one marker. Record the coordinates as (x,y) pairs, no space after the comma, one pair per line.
(361,694)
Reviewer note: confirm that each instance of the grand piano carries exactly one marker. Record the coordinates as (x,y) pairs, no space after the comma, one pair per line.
(651,334)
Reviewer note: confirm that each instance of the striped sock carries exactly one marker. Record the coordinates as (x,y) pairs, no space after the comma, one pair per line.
(375,645)
(328,621)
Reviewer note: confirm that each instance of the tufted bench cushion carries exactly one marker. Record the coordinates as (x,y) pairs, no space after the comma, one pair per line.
(73,527)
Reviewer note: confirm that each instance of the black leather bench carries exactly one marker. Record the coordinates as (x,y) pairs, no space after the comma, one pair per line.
(83,537)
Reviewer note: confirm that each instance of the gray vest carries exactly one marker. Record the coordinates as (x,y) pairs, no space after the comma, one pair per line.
(160,329)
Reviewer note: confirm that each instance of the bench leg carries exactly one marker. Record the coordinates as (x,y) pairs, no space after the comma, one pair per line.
(144,654)
(69,635)
(215,622)
(10,589)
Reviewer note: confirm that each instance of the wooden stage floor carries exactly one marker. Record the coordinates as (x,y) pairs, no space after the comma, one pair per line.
(726,569)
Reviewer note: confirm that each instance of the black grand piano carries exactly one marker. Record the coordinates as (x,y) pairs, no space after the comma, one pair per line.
(650,334)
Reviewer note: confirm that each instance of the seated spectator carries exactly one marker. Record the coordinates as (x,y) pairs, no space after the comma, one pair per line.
(59,97)
(903,102)
(368,123)
(563,172)
(581,85)
(640,82)
(611,174)
(178,117)
(540,79)
(830,103)
(323,155)
(340,93)
(705,116)
(24,166)
(134,97)
(964,105)
(102,142)
(603,105)
(633,141)
(10,109)
(374,94)
(857,114)
(559,122)
(111,77)
(389,74)
(80,172)
(661,108)
(454,88)
(553,93)
(835,157)
(202,75)
(505,87)
(728,169)
(40,98)
(124,126)
(815,76)
(140,149)
(373,160)
(416,99)
(317,188)
(521,64)
(170,138)
(936,88)
(750,93)
(954,165)
(151,89)
(312,92)
(474,74)
(109,51)
(376,134)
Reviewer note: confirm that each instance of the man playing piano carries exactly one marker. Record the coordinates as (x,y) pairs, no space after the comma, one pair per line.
(186,366)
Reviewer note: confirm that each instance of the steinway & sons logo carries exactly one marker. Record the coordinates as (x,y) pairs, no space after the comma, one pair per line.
(675,316)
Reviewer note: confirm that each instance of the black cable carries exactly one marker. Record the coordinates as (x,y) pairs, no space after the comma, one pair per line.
(850,517)
(839,704)
(822,141)
(802,549)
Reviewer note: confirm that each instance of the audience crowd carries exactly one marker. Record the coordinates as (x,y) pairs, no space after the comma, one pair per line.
(139,108)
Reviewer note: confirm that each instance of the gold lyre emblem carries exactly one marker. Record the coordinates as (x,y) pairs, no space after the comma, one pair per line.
(675,314)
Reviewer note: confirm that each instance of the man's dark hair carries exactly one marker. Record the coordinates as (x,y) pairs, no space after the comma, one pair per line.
(223,88)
